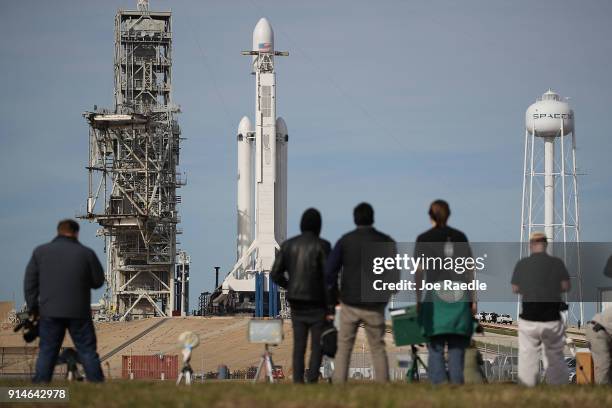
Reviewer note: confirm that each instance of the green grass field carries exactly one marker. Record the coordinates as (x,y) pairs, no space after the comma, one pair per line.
(238,394)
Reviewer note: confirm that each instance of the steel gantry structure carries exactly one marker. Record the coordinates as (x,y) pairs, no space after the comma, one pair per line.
(133,159)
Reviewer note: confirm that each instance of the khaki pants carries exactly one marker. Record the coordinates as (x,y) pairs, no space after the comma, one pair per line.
(601,350)
(550,338)
(374,323)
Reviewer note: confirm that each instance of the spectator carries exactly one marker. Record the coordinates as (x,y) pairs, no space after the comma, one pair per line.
(57,286)
(344,265)
(447,322)
(540,279)
(299,268)
(599,334)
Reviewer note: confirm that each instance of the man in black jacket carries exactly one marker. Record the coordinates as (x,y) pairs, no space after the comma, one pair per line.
(298,268)
(356,306)
(57,285)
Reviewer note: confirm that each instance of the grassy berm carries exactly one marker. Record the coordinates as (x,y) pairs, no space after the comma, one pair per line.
(239,394)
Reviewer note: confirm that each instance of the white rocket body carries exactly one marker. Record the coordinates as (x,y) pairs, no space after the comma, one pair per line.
(262,173)
(265,148)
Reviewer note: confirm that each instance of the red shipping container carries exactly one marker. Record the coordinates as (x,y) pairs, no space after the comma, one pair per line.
(149,367)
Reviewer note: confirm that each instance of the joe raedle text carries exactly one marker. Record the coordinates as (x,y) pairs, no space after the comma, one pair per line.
(447,284)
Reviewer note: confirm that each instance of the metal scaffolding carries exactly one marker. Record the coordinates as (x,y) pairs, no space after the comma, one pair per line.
(133,159)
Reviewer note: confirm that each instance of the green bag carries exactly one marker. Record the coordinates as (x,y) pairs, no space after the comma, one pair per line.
(440,315)
(406,327)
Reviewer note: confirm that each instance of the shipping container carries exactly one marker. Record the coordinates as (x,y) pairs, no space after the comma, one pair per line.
(149,367)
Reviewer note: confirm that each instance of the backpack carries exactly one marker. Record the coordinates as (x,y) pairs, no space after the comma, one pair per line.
(329,340)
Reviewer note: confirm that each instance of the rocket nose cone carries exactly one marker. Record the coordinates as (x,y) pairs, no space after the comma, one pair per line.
(263,36)
(281,126)
(244,126)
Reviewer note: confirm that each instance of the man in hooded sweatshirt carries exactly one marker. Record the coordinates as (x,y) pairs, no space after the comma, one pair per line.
(299,269)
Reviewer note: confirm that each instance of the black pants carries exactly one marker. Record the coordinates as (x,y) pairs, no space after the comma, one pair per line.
(307,319)
(52,331)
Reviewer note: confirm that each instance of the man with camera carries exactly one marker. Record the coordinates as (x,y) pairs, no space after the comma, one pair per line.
(599,334)
(540,279)
(57,285)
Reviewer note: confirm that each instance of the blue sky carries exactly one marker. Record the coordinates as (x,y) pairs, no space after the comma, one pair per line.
(392,102)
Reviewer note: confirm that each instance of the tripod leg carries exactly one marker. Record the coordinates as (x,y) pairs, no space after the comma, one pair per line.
(420,361)
(259,368)
(413,372)
(270,367)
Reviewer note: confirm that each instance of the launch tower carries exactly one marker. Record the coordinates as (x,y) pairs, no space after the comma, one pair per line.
(133,159)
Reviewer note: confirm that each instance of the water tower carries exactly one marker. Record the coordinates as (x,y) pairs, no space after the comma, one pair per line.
(550,187)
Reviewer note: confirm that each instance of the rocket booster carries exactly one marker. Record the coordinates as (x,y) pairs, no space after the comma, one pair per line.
(282,143)
(245,190)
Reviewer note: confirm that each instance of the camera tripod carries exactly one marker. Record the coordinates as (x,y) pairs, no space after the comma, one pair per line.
(189,340)
(70,357)
(265,364)
(186,373)
(412,375)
